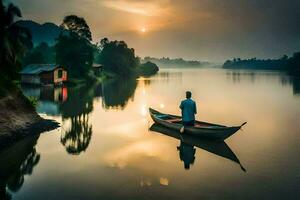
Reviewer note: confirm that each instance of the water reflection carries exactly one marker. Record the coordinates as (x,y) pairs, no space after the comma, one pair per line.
(124,154)
(116,93)
(74,104)
(186,154)
(49,97)
(294,81)
(187,143)
(17,161)
(79,135)
(76,109)
(237,76)
(73,101)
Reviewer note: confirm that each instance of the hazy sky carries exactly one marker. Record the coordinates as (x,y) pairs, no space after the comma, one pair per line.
(211,30)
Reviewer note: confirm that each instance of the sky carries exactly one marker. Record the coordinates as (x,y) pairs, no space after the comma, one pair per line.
(211,30)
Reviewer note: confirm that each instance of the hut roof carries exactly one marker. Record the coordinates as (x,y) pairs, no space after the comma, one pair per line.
(38,68)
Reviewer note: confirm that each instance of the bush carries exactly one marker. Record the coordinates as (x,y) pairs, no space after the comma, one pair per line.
(33,101)
(147,69)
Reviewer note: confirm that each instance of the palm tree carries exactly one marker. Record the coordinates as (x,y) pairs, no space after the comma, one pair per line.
(14,41)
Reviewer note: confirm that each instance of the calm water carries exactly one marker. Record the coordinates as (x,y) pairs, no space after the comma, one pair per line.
(105,150)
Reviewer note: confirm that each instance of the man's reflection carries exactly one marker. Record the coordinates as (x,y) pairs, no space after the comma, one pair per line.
(186,154)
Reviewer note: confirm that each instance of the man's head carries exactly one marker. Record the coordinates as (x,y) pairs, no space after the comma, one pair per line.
(188,94)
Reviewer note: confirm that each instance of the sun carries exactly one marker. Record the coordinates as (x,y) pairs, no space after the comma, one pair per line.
(143,30)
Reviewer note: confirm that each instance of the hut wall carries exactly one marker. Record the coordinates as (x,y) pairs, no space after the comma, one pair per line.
(31,79)
(46,77)
(60,75)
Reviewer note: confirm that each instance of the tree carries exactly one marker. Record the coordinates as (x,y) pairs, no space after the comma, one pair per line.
(73,47)
(77,25)
(14,42)
(40,54)
(117,57)
(147,69)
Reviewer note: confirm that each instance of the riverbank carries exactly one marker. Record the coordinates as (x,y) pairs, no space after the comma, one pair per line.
(19,119)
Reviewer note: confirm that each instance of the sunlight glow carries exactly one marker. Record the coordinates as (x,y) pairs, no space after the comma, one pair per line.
(144,110)
(163,181)
(136,7)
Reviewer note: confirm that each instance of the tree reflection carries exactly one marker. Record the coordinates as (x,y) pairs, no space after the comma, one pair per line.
(16,162)
(296,85)
(116,93)
(77,139)
(76,109)
(292,81)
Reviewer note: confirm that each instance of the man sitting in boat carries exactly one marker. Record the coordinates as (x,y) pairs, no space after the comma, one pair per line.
(188,110)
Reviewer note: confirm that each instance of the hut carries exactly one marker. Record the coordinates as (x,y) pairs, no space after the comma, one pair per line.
(43,74)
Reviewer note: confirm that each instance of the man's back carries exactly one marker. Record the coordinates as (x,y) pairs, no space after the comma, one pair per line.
(188,110)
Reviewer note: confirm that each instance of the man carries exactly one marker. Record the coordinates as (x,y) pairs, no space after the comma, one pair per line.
(188,111)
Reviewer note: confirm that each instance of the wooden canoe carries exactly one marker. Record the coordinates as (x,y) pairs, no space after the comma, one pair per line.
(201,129)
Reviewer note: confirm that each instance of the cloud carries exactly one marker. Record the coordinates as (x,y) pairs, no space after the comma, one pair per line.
(194,29)
(145,8)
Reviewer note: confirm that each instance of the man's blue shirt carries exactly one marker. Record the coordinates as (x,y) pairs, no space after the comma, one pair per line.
(188,110)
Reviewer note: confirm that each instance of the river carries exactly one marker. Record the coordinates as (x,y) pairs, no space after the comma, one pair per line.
(105,150)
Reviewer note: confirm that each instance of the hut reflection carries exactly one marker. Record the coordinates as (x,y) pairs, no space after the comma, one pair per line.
(49,97)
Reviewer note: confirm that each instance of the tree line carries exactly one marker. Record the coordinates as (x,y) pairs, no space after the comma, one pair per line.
(289,64)
(174,61)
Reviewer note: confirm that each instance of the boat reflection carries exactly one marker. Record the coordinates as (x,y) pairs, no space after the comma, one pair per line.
(188,142)
(17,161)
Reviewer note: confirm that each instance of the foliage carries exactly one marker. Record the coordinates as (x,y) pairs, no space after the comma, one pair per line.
(285,63)
(175,61)
(33,101)
(73,48)
(255,63)
(14,41)
(77,25)
(147,69)
(117,58)
(40,54)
